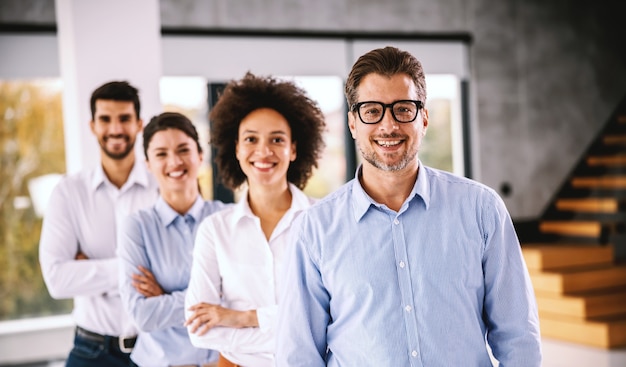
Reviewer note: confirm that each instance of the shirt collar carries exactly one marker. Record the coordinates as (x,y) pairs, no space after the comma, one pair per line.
(138,175)
(99,178)
(169,215)
(361,201)
(299,201)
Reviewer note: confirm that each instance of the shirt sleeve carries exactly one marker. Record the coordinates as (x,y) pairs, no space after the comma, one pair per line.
(65,276)
(303,309)
(205,286)
(510,306)
(149,313)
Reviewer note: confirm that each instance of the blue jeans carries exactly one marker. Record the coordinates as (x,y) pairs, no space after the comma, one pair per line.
(88,353)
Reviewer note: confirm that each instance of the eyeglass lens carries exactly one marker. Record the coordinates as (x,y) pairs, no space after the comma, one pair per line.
(402,111)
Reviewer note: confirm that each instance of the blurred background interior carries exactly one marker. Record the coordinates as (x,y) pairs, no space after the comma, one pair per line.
(528,97)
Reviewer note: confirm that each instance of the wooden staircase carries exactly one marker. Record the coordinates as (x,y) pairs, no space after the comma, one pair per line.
(590,206)
(581,293)
(577,255)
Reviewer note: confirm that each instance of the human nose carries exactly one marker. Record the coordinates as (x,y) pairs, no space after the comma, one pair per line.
(263,149)
(388,121)
(115,128)
(173,160)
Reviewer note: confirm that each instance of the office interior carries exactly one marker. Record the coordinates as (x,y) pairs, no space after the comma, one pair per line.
(531,89)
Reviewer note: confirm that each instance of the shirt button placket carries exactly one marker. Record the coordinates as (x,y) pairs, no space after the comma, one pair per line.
(404,278)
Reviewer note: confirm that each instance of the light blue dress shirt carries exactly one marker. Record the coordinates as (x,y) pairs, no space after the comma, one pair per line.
(162,241)
(424,286)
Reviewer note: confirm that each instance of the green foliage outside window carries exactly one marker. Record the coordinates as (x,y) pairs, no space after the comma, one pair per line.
(436,150)
(31,145)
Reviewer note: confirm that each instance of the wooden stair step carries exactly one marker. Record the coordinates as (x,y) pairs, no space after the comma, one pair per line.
(584,305)
(607,160)
(588,205)
(603,182)
(545,257)
(614,139)
(603,333)
(578,280)
(572,228)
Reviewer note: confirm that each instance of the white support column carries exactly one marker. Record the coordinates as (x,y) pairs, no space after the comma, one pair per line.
(101,41)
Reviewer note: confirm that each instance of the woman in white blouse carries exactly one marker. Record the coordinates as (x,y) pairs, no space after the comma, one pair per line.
(268,135)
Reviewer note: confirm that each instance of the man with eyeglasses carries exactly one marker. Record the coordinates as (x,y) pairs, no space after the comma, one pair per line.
(405,265)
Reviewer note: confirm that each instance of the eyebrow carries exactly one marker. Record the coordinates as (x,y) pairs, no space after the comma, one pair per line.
(107,115)
(276,132)
(181,145)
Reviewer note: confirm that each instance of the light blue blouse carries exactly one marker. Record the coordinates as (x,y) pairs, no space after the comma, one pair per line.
(162,241)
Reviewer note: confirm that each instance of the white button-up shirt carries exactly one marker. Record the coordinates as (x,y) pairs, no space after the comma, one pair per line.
(83,214)
(236,266)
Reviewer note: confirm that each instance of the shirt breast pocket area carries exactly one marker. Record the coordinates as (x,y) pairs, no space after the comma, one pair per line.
(462,259)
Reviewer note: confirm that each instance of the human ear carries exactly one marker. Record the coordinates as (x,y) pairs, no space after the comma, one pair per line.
(352,124)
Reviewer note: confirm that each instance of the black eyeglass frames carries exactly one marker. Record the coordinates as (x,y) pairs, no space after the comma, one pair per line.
(372,112)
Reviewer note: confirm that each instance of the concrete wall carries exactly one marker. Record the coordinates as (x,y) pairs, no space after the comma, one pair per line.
(545,74)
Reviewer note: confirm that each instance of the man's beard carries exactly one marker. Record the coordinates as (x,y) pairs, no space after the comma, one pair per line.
(374,160)
(121,155)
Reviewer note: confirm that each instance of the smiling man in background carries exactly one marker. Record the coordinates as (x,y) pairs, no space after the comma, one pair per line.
(78,239)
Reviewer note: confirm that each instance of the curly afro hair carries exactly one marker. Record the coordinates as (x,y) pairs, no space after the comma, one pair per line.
(239,98)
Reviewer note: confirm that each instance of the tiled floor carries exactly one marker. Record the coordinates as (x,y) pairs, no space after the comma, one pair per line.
(562,354)
(555,354)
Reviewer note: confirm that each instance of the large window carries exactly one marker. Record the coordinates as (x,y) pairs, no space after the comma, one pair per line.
(33,158)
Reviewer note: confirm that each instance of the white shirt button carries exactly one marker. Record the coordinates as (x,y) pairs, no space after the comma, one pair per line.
(401,264)
(396,222)
(408,308)
(414,353)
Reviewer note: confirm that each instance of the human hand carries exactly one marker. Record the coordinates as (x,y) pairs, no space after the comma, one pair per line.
(146,284)
(207,316)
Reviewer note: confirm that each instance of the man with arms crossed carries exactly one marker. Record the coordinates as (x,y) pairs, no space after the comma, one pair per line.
(78,240)
(405,265)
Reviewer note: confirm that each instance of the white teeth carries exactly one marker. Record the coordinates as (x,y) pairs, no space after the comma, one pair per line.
(263,165)
(176,173)
(389,143)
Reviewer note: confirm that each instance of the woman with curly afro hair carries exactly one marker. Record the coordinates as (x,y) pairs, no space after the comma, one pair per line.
(269,136)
